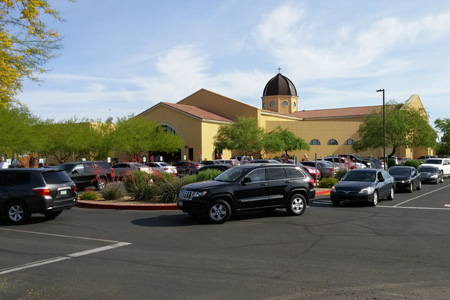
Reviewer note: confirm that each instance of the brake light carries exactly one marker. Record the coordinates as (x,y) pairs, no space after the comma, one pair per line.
(197,166)
(42,191)
(312,182)
(166,169)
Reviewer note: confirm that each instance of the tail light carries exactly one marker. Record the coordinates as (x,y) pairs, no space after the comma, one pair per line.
(197,167)
(166,169)
(331,170)
(42,191)
(312,182)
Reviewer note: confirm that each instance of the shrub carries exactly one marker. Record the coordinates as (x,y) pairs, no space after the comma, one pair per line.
(140,185)
(390,162)
(113,191)
(168,191)
(89,195)
(208,174)
(328,182)
(159,177)
(341,173)
(413,163)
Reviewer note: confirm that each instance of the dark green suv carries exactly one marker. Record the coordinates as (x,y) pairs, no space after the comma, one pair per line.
(23,192)
(247,187)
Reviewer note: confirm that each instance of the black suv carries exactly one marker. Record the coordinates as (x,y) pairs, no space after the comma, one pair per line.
(249,186)
(88,173)
(48,191)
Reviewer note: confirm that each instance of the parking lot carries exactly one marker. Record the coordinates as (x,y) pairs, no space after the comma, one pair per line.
(396,250)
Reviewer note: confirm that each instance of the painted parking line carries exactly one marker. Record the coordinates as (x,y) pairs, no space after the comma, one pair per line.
(426,194)
(115,244)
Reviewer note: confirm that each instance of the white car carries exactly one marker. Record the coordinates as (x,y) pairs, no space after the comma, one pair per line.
(442,163)
(162,167)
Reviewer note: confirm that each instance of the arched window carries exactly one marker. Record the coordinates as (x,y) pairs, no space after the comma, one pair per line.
(332,142)
(167,129)
(349,142)
(314,142)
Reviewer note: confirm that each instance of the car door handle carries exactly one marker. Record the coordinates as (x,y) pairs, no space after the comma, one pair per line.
(264,184)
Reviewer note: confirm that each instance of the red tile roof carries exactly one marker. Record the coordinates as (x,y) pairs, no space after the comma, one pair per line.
(336,112)
(197,112)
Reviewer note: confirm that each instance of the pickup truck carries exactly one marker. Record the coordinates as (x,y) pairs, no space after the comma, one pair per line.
(442,163)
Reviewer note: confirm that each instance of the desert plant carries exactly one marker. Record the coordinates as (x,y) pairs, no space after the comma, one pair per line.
(114,191)
(208,175)
(328,182)
(168,191)
(89,195)
(140,185)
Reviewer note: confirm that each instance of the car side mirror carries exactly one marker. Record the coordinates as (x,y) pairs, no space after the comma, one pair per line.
(246,180)
(74,172)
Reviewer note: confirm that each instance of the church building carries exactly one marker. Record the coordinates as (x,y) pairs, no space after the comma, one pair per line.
(196,119)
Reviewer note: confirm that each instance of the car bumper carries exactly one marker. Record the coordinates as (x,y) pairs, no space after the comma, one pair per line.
(192,206)
(402,185)
(350,196)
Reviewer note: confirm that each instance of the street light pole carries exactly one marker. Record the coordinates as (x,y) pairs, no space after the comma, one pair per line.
(384,130)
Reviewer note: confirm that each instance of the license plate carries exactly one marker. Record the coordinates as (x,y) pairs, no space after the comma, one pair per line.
(180,203)
(63,192)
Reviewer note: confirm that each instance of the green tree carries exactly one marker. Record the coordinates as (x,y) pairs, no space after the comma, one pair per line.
(16,131)
(243,135)
(443,126)
(282,139)
(136,135)
(26,43)
(405,126)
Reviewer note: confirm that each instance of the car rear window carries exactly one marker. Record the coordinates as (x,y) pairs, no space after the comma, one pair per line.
(56,177)
(294,172)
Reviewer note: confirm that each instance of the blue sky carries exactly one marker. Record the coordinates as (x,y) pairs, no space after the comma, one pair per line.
(122,57)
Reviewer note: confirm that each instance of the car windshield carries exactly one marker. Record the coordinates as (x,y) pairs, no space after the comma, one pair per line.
(428,170)
(360,176)
(232,174)
(400,171)
(433,161)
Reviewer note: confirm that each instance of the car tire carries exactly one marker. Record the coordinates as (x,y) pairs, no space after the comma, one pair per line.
(374,198)
(419,187)
(100,184)
(296,205)
(391,194)
(219,212)
(411,188)
(52,214)
(17,213)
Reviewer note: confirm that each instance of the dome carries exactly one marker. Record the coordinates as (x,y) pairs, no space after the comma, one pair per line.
(279,85)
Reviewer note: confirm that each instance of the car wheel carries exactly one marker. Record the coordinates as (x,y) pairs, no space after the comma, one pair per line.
(219,211)
(419,187)
(375,198)
(391,194)
(410,188)
(101,183)
(52,214)
(335,202)
(296,205)
(17,213)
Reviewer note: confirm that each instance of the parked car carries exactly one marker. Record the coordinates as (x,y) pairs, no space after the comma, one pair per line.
(246,187)
(406,178)
(187,167)
(372,163)
(209,162)
(313,172)
(220,167)
(162,167)
(427,157)
(243,159)
(38,190)
(265,161)
(442,163)
(88,173)
(231,161)
(325,167)
(430,174)
(368,185)
(119,170)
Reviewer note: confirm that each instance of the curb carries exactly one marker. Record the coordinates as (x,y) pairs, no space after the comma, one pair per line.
(85,204)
